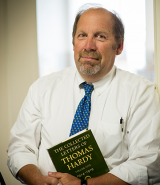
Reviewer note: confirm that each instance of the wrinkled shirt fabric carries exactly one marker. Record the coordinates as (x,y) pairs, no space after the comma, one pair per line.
(46,116)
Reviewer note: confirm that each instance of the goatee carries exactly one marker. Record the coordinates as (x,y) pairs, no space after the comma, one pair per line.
(87,67)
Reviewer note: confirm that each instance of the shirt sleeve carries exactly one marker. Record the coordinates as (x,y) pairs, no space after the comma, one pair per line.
(143,135)
(25,135)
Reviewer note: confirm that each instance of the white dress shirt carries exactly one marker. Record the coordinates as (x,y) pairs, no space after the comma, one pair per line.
(47,113)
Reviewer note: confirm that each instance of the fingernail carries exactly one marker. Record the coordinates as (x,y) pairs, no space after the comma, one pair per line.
(49,173)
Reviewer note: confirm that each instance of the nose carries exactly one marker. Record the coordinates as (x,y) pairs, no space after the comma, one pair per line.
(90,44)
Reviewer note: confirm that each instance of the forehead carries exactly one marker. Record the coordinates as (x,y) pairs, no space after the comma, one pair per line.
(95,18)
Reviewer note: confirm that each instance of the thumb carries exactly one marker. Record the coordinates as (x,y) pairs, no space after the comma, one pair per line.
(50,173)
(59,183)
(57,175)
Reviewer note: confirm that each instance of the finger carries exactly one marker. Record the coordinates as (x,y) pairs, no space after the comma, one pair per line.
(57,175)
(59,183)
(51,180)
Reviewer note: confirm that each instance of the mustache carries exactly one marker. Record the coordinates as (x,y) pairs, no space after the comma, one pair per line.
(91,54)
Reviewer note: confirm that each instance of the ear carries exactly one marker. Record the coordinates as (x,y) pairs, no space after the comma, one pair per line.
(120,47)
(73,47)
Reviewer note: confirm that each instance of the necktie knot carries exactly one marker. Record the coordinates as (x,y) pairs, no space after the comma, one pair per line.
(88,89)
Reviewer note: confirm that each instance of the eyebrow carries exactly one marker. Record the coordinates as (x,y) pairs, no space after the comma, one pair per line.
(106,33)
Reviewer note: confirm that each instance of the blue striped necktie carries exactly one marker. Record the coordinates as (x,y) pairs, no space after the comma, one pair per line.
(81,118)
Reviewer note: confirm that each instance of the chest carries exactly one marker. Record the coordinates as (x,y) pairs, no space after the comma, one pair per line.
(107,109)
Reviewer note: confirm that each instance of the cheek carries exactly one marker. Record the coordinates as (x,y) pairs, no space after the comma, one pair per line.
(79,46)
(106,52)
(76,49)
(76,55)
(102,49)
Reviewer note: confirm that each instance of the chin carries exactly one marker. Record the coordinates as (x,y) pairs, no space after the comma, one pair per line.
(89,69)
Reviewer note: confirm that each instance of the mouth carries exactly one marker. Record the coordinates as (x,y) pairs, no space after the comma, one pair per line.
(89,58)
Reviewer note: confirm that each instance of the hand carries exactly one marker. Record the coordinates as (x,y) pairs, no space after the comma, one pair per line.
(46,180)
(31,175)
(65,178)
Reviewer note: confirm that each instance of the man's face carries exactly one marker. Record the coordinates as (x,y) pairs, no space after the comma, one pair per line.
(94,44)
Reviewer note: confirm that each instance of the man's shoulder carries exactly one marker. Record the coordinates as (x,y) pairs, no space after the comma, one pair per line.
(54,79)
(59,75)
(129,79)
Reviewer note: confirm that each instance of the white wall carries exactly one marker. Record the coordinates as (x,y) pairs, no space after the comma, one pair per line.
(18,67)
(157,43)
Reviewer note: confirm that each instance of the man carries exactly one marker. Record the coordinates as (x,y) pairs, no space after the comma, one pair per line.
(46,116)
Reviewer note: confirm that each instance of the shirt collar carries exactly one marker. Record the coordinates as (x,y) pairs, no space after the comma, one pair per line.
(101,84)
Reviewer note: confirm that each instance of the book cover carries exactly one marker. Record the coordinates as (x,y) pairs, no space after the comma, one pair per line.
(79,156)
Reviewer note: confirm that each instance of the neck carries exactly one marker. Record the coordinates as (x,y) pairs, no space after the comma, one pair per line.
(91,78)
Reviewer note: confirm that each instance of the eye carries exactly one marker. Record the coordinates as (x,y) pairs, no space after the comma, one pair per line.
(81,35)
(101,36)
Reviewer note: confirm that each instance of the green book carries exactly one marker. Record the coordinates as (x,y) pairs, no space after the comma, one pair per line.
(79,156)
